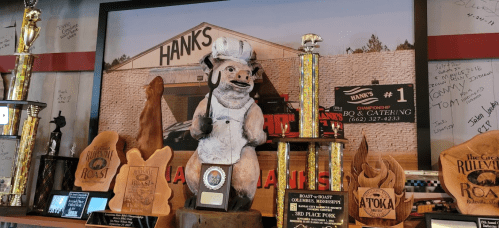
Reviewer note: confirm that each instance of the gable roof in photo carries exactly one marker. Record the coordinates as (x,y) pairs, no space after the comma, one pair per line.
(187,48)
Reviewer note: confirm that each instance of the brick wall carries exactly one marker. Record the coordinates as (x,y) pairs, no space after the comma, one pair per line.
(123,96)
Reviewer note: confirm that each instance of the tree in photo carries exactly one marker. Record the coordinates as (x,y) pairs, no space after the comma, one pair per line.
(405,46)
(116,61)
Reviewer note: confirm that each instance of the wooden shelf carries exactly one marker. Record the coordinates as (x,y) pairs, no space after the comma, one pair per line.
(44,221)
(310,140)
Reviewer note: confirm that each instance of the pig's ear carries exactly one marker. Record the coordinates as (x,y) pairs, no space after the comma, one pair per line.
(207,63)
(257,69)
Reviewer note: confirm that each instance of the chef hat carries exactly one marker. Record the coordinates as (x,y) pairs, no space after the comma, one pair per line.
(233,49)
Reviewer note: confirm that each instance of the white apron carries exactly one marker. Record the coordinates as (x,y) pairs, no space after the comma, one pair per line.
(226,141)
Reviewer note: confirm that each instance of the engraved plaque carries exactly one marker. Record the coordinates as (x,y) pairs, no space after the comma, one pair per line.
(98,163)
(141,186)
(8,149)
(140,189)
(214,187)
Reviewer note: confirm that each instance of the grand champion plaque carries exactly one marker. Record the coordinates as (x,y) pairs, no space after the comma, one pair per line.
(311,208)
(214,187)
(141,186)
(140,189)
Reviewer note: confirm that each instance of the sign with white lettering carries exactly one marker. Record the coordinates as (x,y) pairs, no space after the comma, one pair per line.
(75,204)
(376,103)
(306,208)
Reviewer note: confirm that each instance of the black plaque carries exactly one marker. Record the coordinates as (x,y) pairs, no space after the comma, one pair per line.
(376,103)
(308,208)
(438,219)
(101,219)
(214,187)
(75,205)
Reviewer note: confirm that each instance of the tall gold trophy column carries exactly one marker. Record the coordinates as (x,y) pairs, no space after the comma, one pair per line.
(24,153)
(309,104)
(18,90)
(19,86)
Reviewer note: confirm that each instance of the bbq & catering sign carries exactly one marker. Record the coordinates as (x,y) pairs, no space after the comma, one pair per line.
(376,103)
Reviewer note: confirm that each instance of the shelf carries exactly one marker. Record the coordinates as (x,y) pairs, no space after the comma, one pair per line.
(25,104)
(310,140)
(44,221)
(11,137)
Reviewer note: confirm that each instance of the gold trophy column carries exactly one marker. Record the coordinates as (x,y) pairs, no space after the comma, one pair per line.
(336,166)
(19,86)
(24,155)
(309,111)
(282,179)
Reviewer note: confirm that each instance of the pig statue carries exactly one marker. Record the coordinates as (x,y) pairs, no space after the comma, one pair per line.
(234,126)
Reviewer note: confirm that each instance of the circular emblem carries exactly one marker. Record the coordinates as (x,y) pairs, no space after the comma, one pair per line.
(377,206)
(142,177)
(214,178)
(97,163)
(487,178)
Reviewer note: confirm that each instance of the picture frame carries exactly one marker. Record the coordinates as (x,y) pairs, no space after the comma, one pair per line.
(436,220)
(94,201)
(420,36)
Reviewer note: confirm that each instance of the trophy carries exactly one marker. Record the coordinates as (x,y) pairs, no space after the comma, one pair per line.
(309,133)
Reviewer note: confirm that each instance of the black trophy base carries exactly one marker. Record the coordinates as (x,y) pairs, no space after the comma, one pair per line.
(188,218)
(13,210)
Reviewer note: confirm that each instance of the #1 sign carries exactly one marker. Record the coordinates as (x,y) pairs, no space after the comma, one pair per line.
(376,103)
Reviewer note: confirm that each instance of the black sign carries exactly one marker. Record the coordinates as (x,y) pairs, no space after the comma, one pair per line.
(376,103)
(488,223)
(121,220)
(75,205)
(306,208)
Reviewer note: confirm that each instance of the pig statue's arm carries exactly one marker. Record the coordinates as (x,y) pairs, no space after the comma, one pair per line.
(198,127)
(253,126)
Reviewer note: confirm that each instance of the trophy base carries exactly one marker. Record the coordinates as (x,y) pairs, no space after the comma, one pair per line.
(188,218)
(13,210)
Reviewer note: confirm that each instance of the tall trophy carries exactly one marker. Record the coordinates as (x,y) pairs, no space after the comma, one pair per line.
(16,100)
(293,214)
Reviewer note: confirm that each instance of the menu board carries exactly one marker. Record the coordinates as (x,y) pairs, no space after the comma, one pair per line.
(306,208)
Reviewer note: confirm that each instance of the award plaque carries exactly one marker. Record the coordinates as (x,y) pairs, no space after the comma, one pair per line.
(312,208)
(214,187)
(140,188)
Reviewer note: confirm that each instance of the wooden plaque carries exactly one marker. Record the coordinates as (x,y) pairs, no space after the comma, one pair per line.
(99,162)
(141,186)
(214,187)
(470,173)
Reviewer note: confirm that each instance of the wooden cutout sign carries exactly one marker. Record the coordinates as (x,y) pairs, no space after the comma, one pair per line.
(368,183)
(141,186)
(470,173)
(99,162)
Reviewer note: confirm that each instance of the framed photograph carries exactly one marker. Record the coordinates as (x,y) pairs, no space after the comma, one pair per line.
(76,205)
(362,42)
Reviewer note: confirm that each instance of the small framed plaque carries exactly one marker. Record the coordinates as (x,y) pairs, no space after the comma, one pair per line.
(310,208)
(214,187)
(439,220)
(76,205)
(8,148)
